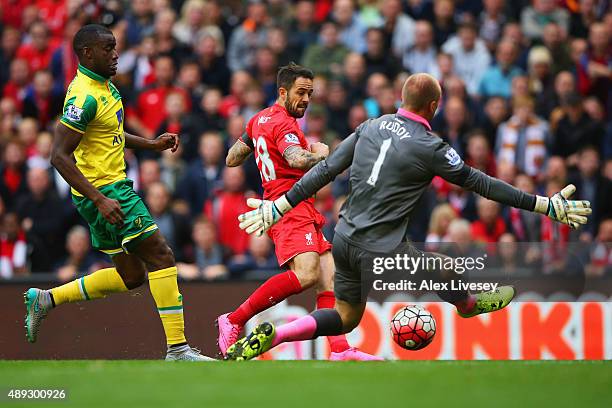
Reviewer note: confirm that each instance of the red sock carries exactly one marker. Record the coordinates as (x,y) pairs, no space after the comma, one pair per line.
(337,344)
(272,291)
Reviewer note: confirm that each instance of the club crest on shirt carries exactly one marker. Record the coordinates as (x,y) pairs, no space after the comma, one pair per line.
(263,119)
(73,113)
(452,156)
(292,138)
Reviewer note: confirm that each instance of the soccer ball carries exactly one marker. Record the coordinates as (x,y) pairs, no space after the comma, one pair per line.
(413,327)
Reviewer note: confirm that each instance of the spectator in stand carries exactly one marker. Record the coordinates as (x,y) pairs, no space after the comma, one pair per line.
(470,56)
(224,208)
(248,37)
(40,49)
(386,100)
(9,43)
(316,128)
(592,186)
(140,21)
(575,129)
(327,57)
(497,79)
(64,62)
(555,40)
(208,255)
(258,263)
(586,16)
(180,121)
(27,133)
(254,101)
(303,28)
(489,226)
(13,247)
(444,21)
(354,76)
(264,72)
(211,107)
(232,103)
(600,257)
(173,168)
(187,28)
(16,87)
(166,42)
(556,170)
(550,99)
(149,173)
(42,101)
(189,78)
(337,108)
(352,29)
(13,173)
(210,53)
(441,217)
(595,66)
(377,59)
(357,115)
(376,82)
(9,117)
(524,225)
(492,20)
(41,153)
(80,259)
(41,211)
(523,139)
(278,43)
(398,27)
(495,113)
(203,175)
(535,17)
(479,154)
(540,71)
(422,56)
(454,127)
(175,227)
(149,112)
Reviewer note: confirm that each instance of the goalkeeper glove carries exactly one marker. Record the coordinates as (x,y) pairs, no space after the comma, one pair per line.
(265,214)
(559,208)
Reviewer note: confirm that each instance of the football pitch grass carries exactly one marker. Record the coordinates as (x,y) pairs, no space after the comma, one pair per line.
(313,384)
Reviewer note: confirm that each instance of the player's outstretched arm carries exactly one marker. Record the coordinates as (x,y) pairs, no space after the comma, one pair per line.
(65,142)
(449,166)
(239,152)
(160,143)
(267,213)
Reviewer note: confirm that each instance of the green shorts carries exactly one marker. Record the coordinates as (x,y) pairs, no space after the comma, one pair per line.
(137,224)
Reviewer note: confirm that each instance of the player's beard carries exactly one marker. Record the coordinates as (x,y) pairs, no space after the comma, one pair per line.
(293,109)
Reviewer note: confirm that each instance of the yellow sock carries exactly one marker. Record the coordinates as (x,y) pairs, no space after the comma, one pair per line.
(164,288)
(94,286)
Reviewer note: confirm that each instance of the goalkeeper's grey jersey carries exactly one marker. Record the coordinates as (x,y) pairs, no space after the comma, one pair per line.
(394,158)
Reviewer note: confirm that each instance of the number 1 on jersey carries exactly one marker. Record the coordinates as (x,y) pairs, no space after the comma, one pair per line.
(379,162)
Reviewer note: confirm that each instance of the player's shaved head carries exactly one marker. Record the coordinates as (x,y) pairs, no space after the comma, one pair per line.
(87,36)
(419,91)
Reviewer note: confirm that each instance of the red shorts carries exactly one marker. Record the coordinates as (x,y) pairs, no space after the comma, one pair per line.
(299,231)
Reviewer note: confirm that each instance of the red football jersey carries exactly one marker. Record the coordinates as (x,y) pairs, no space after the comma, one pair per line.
(272,131)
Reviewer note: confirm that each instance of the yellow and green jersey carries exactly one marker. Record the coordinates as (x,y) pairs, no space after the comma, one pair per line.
(93,107)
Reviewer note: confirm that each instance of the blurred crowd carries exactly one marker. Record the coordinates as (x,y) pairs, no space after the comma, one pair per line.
(527,98)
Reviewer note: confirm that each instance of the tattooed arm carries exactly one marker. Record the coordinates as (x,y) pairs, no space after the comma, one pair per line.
(299,158)
(237,154)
